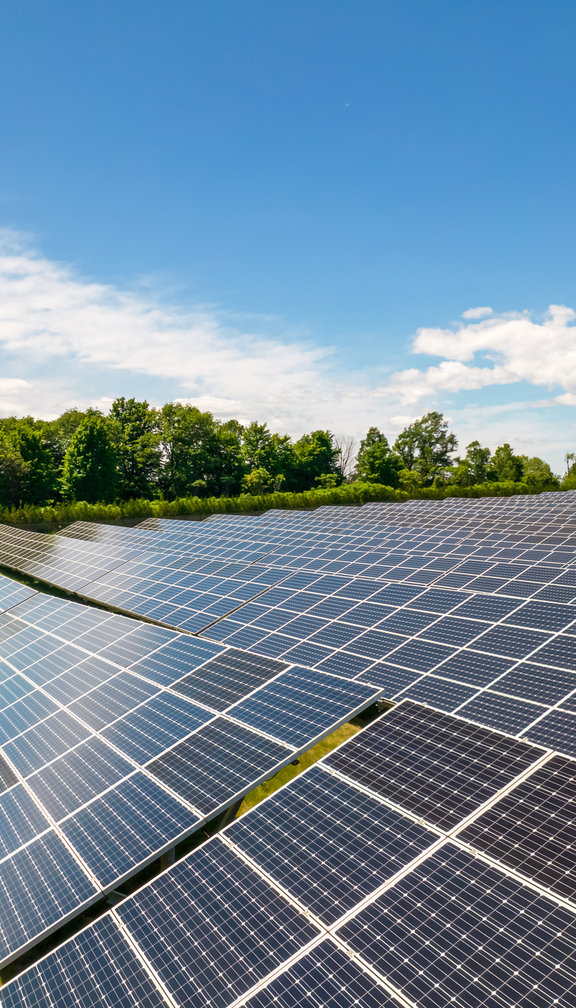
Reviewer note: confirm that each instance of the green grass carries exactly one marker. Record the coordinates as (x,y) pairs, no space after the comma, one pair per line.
(304,761)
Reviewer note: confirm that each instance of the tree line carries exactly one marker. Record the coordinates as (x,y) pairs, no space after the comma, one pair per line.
(138,452)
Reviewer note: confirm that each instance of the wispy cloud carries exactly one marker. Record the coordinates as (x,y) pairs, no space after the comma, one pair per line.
(49,315)
(477,313)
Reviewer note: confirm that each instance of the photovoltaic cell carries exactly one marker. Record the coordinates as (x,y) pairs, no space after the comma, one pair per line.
(324,978)
(533,828)
(43,743)
(80,775)
(557,730)
(117,832)
(98,966)
(7,775)
(20,819)
(225,679)
(155,726)
(301,704)
(39,886)
(502,712)
(216,763)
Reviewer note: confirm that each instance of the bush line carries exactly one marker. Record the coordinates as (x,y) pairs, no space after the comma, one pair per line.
(350,493)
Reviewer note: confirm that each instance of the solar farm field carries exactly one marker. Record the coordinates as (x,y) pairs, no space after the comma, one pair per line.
(426,861)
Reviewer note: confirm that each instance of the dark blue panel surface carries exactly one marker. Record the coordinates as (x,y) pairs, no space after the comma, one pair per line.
(438,767)
(39,885)
(75,778)
(217,763)
(533,828)
(212,927)
(328,843)
(325,978)
(228,677)
(43,743)
(121,829)
(455,932)
(20,819)
(97,968)
(175,660)
(155,726)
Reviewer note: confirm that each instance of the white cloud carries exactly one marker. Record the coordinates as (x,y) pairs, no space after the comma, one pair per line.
(11,390)
(477,313)
(518,347)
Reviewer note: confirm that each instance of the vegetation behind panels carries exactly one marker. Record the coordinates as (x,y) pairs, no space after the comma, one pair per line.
(139,461)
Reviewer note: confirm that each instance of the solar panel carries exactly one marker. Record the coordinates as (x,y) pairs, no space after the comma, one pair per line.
(326,977)
(59,884)
(247,914)
(219,762)
(533,829)
(431,764)
(486,655)
(212,927)
(300,705)
(327,843)
(99,965)
(456,931)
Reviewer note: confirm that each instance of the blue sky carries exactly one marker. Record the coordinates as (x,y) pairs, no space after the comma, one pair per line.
(282,210)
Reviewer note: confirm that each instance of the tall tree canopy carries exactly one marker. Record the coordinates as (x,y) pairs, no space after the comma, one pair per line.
(89,469)
(474,468)
(136,442)
(179,451)
(315,455)
(507,466)
(198,452)
(426,446)
(375,462)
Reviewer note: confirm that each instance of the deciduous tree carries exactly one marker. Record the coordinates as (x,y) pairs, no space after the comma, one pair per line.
(426,446)
(89,469)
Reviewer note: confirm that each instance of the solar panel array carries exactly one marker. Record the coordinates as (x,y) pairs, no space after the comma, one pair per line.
(415,865)
(466,605)
(427,862)
(118,739)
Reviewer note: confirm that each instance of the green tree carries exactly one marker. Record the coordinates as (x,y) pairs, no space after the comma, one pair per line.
(41,478)
(538,474)
(328,480)
(569,478)
(426,446)
(137,445)
(273,452)
(376,463)
(13,472)
(89,469)
(58,433)
(507,466)
(196,447)
(314,455)
(258,481)
(474,468)
(409,480)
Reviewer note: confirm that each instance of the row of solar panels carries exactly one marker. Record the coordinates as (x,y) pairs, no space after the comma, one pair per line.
(477,647)
(425,862)
(118,739)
